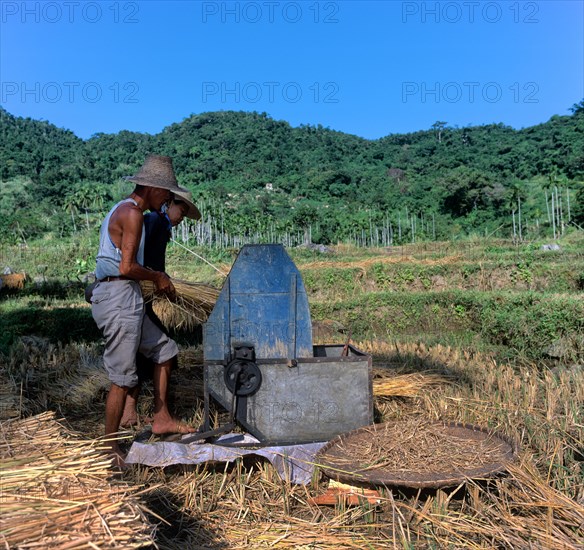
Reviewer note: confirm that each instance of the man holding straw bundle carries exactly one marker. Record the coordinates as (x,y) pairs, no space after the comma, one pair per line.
(117,305)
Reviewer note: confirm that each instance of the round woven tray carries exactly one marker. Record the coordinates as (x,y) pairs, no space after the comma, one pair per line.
(419,454)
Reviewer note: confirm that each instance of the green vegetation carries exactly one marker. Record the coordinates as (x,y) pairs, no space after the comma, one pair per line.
(522,324)
(517,301)
(259,178)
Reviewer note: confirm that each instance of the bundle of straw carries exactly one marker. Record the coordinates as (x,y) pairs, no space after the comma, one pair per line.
(404,385)
(56,492)
(14,281)
(10,399)
(191,307)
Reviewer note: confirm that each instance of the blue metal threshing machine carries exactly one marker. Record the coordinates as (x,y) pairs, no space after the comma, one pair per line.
(261,366)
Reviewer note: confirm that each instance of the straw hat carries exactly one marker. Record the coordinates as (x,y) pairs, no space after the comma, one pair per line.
(156,171)
(186,197)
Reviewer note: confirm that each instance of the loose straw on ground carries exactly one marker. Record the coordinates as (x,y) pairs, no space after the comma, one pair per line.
(57,491)
(404,385)
(46,375)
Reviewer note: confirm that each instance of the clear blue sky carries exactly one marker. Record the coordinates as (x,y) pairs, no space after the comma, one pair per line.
(366,68)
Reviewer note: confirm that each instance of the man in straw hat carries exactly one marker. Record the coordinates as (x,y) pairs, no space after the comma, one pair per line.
(158,226)
(117,305)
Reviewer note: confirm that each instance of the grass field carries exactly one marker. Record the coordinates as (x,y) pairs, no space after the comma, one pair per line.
(491,333)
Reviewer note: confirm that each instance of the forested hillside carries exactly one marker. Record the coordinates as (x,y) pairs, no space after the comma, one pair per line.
(258,174)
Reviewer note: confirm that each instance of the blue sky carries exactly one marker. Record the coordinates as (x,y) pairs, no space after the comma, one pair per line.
(366,68)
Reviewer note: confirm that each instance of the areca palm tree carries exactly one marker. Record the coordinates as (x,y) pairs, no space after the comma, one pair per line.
(70,205)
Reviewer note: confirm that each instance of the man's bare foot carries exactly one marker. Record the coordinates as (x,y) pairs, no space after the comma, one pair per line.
(171,426)
(129,421)
(135,421)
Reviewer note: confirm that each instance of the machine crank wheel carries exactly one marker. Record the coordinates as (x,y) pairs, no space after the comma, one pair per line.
(242,377)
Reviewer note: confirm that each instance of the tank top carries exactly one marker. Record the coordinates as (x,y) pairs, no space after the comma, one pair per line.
(109,255)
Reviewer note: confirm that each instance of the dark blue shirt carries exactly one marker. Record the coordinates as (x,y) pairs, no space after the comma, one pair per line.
(158,233)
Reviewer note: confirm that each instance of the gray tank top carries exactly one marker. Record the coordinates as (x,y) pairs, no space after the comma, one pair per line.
(109,256)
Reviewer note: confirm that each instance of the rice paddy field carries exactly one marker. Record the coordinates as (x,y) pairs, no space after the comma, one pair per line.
(485,333)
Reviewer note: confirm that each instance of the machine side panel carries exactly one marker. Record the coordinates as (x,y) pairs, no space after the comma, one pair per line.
(310,402)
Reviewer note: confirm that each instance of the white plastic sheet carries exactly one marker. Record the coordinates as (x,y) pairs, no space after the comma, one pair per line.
(294,463)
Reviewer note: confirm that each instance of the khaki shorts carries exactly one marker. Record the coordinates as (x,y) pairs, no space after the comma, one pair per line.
(118,310)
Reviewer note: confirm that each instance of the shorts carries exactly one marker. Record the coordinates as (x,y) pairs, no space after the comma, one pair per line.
(118,310)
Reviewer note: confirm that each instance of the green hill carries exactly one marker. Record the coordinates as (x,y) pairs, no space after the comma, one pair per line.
(256,172)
